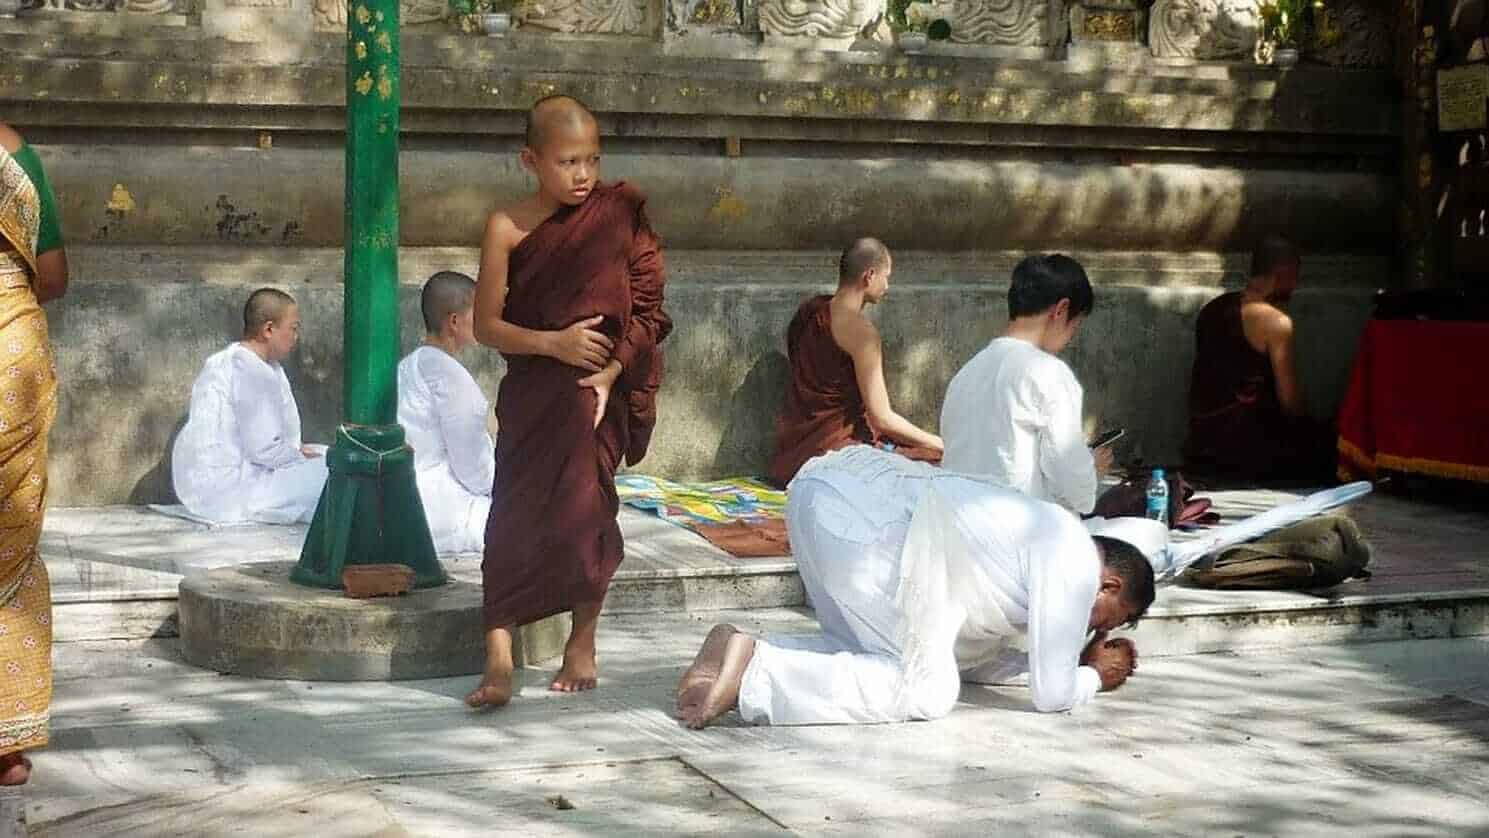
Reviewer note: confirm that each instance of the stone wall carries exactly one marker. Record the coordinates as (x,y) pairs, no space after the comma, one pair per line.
(191,170)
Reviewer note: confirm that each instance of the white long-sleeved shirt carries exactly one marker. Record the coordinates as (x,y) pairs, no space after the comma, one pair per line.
(443,413)
(1012,417)
(239,455)
(921,578)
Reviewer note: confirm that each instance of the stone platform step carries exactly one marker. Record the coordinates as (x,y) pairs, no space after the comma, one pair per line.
(115,573)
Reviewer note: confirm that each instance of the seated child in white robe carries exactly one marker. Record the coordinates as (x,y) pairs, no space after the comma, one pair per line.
(239,457)
(443,413)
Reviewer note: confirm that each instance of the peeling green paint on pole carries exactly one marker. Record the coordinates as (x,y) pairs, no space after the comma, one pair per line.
(370,511)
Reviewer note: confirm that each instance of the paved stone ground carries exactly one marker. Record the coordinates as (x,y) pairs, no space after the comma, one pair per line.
(1385,739)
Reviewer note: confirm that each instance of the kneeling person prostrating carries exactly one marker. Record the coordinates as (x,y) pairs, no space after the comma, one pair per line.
(922,580)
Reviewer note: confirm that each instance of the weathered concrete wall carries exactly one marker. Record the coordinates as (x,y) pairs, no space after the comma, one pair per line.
(128,347)
(183,195)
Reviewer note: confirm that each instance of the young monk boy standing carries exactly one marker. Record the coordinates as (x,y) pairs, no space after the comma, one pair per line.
(570,292)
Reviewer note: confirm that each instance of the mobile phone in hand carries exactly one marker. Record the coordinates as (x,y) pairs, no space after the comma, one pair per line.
(1108,437)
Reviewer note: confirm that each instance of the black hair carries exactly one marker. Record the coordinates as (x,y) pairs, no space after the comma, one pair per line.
(1135,571)
(1042,280)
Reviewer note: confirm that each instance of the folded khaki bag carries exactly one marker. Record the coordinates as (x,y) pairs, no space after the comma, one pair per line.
(1318,553)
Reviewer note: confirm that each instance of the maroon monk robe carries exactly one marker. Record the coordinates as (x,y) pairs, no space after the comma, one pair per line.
(552,540)
(824,410)
(1236,424)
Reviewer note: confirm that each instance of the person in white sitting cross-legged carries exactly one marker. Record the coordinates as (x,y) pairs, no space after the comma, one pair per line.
(443,413)
(240,457)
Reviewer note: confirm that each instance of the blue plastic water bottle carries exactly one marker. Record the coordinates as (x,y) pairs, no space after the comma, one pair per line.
(1158,497)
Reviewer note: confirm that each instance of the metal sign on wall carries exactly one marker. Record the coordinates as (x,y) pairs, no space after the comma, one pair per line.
(1461,96)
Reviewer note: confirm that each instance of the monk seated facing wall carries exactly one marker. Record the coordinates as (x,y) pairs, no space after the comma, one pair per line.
(836,395)
(1247,415)
(240,457)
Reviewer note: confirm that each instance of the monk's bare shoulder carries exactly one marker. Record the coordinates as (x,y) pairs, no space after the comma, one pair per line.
(1266,323)
(10,140)
(853,332)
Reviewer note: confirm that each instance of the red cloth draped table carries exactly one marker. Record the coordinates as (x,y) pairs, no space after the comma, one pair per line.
(1418,401)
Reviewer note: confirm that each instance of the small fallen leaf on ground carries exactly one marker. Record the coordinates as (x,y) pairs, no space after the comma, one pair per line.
(560,803)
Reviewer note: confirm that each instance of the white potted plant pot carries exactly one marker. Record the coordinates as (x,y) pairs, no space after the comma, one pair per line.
(8,8)
(1285,57)
(494,24)
(912,41)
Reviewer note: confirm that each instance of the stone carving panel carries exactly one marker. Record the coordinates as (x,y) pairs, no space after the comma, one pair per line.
(824,19)
(1022,23)
(611,17)
(1356,33)
(1205,29)
(331,14)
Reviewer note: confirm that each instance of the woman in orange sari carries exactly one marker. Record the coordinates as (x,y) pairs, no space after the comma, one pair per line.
(33,270)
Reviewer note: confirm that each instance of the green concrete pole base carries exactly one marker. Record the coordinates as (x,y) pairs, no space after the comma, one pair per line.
(369,513)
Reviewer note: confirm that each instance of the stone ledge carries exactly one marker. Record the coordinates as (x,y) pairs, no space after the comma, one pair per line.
(495,80)
(294,196)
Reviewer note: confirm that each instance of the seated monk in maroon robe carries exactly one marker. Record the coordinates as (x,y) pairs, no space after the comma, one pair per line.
(1247,415)
(837,396)
(570,291)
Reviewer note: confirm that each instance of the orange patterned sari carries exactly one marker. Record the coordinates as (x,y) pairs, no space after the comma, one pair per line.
(28,404)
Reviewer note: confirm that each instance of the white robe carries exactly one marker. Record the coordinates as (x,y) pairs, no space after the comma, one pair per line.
(1012,417)
(443,414)
(920,578)
(238,458)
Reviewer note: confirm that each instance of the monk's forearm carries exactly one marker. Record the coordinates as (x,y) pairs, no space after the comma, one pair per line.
(903,431)
(511,339)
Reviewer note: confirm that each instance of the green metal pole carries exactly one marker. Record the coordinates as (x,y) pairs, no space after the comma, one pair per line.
(372,212)
(370,511)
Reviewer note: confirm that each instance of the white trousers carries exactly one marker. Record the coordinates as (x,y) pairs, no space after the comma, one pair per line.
(850,673)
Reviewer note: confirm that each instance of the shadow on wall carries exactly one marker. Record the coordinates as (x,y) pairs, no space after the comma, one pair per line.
(749,430)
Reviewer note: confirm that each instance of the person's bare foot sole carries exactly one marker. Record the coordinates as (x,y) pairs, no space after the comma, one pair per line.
(578,673)
(723,693)
(15,770)
(495,690)
(693,687)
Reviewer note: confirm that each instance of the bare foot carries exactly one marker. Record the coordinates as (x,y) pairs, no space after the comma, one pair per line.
(693,687)
(494,691)
(723,693)
(579,672)
(15,769)
(496,684)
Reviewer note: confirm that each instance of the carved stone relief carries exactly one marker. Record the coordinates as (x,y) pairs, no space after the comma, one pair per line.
(611,17)
(825,19)
(1021,23)
(1206,29)
(331,14)
(1357,33)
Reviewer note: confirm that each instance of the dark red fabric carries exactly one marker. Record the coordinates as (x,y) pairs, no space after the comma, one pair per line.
(761,539)
(1418,401)
(552,539)
(1236,424)
(824,410)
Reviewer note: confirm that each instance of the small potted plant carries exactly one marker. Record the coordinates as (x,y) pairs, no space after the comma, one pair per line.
(916,24)
(1283,24)
(496,16)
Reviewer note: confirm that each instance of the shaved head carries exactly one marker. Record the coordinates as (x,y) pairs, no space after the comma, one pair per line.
(553,115)
(860,256)
(265,306)
(446,293)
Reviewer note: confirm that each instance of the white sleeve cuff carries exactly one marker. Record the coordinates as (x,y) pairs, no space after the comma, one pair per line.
(1087,685)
